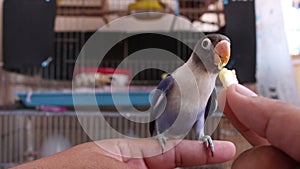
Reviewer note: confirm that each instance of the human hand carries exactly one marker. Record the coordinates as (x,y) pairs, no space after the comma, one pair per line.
(271,126)
(108,154)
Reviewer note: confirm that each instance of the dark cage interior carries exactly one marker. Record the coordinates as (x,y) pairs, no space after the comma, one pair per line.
(241,28)
(28,32)
(34,21)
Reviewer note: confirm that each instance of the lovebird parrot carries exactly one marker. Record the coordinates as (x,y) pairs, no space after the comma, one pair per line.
(182,101)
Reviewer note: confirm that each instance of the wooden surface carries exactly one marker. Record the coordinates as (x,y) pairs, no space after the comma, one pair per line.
(227,132)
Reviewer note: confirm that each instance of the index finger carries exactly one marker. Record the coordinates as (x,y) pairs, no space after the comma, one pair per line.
(186,153)
(272,119)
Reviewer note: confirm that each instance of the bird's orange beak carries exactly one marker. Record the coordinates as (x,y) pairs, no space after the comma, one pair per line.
(223,50)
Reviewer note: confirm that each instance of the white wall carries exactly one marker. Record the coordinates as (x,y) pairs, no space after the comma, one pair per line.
(275,76)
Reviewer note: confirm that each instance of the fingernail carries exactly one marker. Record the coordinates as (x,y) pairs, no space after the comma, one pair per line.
(244,90)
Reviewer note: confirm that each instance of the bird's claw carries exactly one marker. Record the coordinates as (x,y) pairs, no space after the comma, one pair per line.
(208,143)
(162,141)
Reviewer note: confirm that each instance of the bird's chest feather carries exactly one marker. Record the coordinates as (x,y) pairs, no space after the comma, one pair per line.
(181,112)
(186,101)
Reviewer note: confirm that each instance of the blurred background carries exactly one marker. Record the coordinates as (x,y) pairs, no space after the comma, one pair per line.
(42,39)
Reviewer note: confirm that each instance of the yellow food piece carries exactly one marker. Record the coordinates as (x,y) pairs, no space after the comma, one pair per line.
(164,75)
(228,77)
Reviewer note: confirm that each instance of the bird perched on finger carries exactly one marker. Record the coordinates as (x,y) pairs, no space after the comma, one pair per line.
(183,100)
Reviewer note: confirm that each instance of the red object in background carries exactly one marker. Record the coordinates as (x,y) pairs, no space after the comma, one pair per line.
(114,71)
(102,70)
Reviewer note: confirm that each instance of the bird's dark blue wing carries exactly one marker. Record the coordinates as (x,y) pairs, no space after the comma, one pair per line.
(159,100)
(162,88)
(209,109)
(211,105)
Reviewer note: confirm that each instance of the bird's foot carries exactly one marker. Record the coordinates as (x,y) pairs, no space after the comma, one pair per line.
(162,141)
(208,143)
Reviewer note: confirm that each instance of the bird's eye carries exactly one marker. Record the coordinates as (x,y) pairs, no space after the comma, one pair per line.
(206,44)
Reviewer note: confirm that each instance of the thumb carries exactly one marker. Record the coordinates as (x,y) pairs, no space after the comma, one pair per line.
(238,94)
(259,119)
(235,87)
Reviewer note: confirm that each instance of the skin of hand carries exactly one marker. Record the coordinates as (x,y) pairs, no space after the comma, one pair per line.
(91,155)
(271,126)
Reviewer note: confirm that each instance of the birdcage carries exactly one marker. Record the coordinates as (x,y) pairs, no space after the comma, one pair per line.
(77,20)
(28,135)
